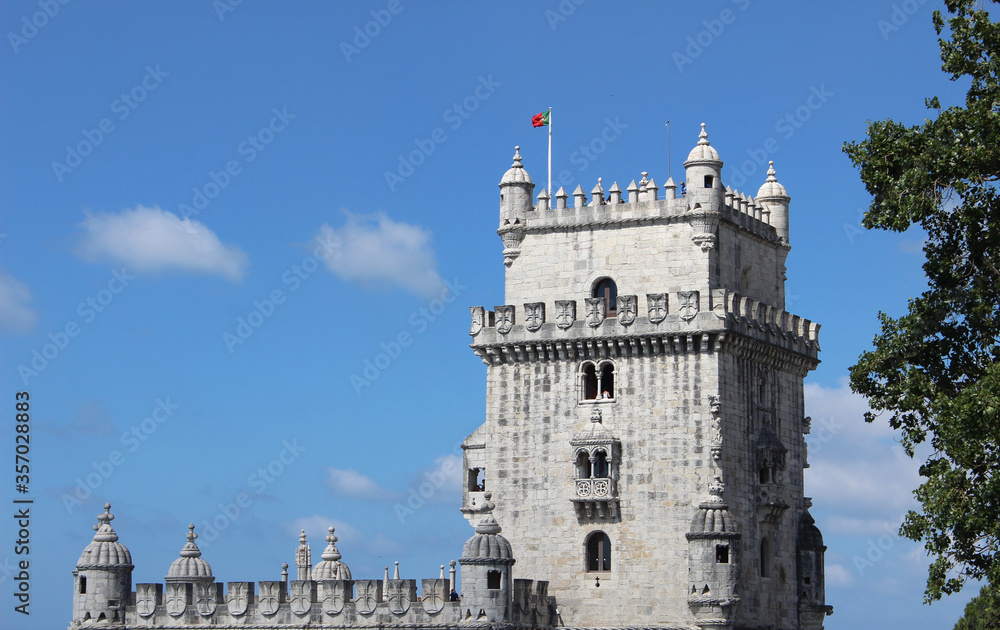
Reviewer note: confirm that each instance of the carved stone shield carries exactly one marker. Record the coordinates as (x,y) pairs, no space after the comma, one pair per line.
(433,595)
(565,313)
(504,318)
(301,593)
(204,599)
(688,304)
(595,311)
(478,319)
(367,595)
(398,597)
(333,597)
(238,598)
(626,309)
(269,599)
(534,315)
(176,599)
(145,599)
(657,303)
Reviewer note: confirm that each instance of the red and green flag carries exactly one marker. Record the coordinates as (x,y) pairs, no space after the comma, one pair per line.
(540,120)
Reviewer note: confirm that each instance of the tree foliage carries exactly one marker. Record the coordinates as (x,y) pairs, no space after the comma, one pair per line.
(934,371)
(983,612)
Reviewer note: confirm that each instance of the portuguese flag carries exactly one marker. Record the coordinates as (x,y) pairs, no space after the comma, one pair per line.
(540,120)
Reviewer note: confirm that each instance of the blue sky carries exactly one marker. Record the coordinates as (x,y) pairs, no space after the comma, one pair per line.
(180,368)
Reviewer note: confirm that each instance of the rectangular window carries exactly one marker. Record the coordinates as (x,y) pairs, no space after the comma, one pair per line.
(709,181)
(493,580)
(722,554)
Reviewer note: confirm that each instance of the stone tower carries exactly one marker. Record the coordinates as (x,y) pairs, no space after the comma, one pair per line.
(102,581)
(642,361)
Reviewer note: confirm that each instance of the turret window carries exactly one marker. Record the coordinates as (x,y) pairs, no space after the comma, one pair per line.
(83,585)
(598,552)
(605,288)
(493,580)
(722,554)
(477,479)
(709,181)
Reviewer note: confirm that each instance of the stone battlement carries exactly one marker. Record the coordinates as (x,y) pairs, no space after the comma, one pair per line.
(297,603)
(669,323)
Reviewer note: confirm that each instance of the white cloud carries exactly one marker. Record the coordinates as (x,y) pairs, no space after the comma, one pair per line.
(442,482)
(377,251)
(150,239)
(15,314)
(351,483)
(838,576)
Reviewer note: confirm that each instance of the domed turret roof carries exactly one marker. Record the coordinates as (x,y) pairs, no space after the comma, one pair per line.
(331,568)
(105,550)
(713,515)
(703,151)
(516,174)
(771,187)
(487,545)
(190,567)
(809,535)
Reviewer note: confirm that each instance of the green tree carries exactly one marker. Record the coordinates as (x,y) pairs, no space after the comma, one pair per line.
(983,612)
(934,371)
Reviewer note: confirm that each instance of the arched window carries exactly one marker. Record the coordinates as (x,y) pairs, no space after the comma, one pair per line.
(589,381)
(583,465)
(605,288)
(765,557)
(602,468)
(608,380)
(598,552)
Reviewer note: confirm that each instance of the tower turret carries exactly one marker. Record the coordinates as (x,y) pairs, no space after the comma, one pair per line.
(486,581)
(515,201)
(703,170)
(713,560)
(103,577)
(812,591)
(774,198)
(331,567)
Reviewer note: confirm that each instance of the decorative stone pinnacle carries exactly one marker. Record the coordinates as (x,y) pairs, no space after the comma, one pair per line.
(330,538)
(302,538)
(395,574)
(771,175)
(703,136)
(331,552)
(716,488)
(488,504)
(595,416)
(105,533)
(191,535)
(517,158)
(190,550)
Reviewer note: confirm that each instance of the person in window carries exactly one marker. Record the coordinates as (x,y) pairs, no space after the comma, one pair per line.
(684,189)
(606,394)
(453,596)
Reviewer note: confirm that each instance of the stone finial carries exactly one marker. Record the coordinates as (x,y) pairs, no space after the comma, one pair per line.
(561,197)
(643,181)
(284,571)
(597,194)
(703,136)
(441,577)
(543,200)
(331,552)
(595,416)
(771,175)
(395,575)
(302,538)
(190,549)
(105,533)
(517,154)
(715,489)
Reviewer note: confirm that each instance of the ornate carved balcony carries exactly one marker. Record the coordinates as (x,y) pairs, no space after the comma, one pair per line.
(596,497)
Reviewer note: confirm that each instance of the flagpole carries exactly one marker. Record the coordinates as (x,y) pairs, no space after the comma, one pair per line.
(550,152)
(668,149)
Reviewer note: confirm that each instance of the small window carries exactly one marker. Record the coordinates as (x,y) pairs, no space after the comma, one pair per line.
(607,381)
(602,469)
(605,288)
(766,475)
(598,552)
(477,479)
(493,580)
(83,584)
(765,558)
(590,383)
(709,181)
(583,466)
(722,554)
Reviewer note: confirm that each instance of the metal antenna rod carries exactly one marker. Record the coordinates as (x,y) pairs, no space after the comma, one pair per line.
(668,150)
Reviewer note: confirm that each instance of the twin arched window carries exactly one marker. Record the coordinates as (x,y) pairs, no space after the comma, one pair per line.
(593,466)
(598,380)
